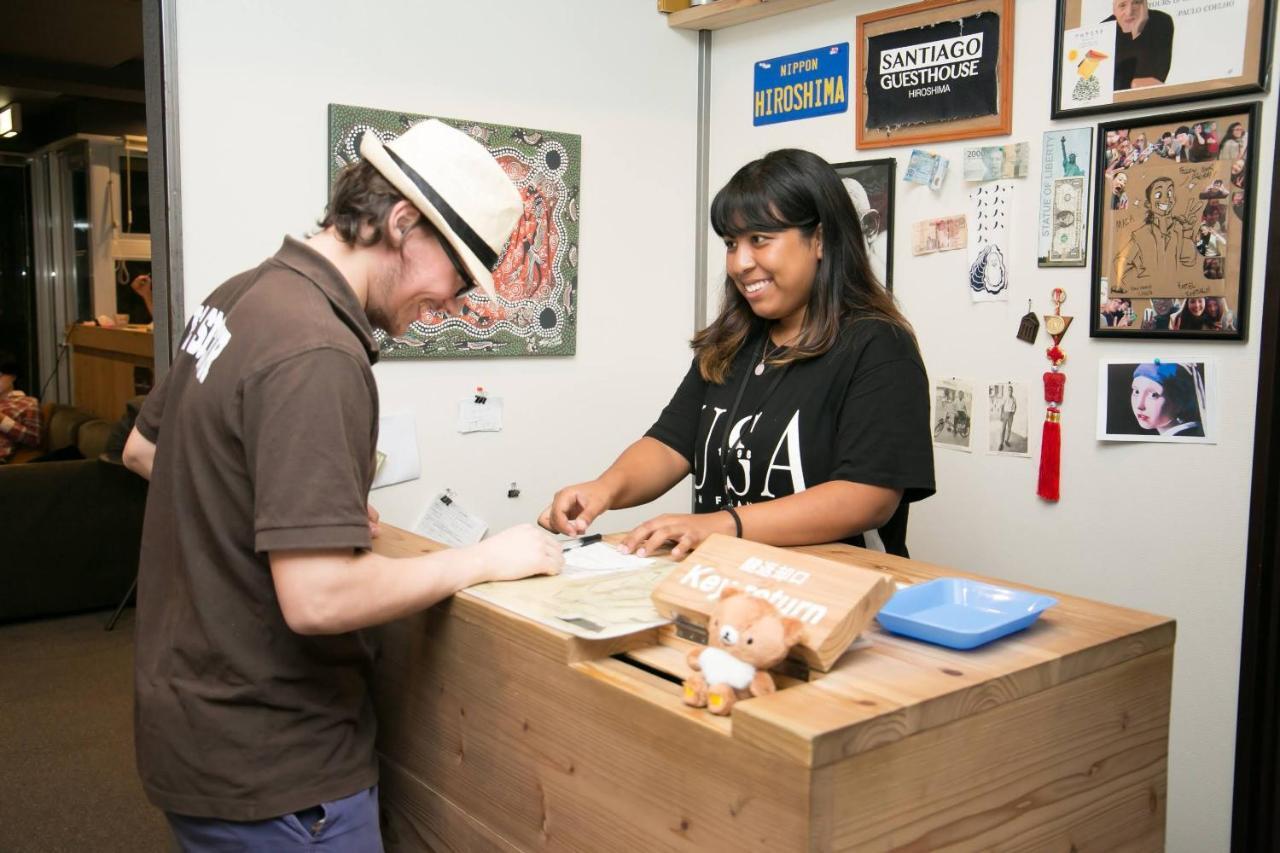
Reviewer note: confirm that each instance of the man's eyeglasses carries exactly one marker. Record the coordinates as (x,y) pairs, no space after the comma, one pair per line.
(469,285)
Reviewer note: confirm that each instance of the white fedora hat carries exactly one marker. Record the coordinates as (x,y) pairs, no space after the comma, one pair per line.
(457,185)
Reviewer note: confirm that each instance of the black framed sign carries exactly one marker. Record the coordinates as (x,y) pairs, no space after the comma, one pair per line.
(1112,55)
(1173,224)
(934,70)
(870,186)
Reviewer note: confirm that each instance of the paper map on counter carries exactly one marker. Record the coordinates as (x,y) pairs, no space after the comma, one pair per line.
(598,558)
(591,605)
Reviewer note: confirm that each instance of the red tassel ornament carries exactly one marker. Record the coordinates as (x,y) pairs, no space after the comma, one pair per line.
(1055,384)
(1051,439)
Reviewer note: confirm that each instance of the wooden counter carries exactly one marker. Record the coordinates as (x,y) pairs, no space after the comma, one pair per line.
(102,366)
(498,733)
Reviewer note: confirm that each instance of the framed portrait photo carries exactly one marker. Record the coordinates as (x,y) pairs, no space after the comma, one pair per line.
(870,187)
(1173,225)
(934,71)
(1112,55)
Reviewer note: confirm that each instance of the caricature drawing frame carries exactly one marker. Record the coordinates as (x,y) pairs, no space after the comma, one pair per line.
(889,166)
(1238,219)
(1261,17)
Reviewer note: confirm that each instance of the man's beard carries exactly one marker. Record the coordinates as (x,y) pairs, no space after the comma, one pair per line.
(381,285)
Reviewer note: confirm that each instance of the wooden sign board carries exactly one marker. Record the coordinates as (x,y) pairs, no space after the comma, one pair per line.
(834,601)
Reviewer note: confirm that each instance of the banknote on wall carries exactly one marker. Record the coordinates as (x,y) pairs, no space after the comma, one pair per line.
(993,162)
(939,235)
(1068,217)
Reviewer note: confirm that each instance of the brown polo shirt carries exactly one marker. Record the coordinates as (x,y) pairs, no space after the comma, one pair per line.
(265,430)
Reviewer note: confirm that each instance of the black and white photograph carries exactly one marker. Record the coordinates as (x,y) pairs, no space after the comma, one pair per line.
(870,187)
(1168,400)
(953,414)
(1007,433)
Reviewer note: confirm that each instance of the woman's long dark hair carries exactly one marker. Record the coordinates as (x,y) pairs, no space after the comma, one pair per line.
(791,188)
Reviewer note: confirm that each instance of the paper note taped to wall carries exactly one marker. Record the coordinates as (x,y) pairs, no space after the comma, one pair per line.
(445,520)
(398,445)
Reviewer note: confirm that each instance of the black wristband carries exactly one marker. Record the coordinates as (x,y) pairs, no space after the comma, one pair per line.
(737,522)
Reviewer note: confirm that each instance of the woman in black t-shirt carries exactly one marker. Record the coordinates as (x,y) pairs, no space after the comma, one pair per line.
(804,417)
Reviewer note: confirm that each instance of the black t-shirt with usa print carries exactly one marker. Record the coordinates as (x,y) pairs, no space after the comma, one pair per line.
(859,413)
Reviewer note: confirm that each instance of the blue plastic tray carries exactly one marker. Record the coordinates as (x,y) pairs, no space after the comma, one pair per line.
(961,613)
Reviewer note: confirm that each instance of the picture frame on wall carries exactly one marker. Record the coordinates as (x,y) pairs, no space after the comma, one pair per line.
(870,185)
(1173,224)
(934,71)
(1112,55)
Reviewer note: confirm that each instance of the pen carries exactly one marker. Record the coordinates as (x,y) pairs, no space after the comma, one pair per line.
(570,544)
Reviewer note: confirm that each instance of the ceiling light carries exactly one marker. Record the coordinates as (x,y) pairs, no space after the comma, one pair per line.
(10,121)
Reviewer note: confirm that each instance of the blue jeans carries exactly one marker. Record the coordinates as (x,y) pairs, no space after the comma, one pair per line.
(348,825)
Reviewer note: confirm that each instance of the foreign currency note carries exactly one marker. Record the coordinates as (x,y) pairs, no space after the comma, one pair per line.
(926,169)
(993,162)
(1068,241)
(939,235)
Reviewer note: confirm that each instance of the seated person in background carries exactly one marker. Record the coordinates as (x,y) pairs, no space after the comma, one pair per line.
(19,414)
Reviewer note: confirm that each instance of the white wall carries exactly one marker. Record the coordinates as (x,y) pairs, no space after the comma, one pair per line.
(1155,527)
(254,83)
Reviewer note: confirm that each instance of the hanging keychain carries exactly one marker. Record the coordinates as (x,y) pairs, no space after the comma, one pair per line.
(1054,383)
(1029,328)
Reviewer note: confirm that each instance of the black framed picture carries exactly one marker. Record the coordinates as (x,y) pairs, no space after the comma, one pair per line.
(870,185)
(1173,225)
(1113,55)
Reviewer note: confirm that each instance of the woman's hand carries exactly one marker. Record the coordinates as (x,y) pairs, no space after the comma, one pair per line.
(686,532)
(574,508)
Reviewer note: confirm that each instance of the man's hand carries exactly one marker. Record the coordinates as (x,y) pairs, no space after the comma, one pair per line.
(519,552)
(574,508)
(374,527)
(685,531)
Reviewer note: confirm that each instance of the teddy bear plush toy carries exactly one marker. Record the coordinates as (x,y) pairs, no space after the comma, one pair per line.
(745,637)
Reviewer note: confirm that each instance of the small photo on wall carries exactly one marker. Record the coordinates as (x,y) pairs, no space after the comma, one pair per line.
(1164,400)
(953,414)
(870,187)
(1007,419)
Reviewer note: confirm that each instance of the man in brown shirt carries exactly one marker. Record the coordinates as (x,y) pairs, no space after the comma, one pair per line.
(253,720)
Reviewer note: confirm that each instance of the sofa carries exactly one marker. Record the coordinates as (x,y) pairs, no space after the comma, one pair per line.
(72,528)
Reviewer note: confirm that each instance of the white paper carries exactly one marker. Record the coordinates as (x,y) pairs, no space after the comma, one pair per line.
(1088,79)
(445,520)
(398,441)
(990,241)
(480,417)
(600,557)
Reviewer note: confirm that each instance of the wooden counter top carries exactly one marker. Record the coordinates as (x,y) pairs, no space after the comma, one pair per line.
(1088,682)
(863,702)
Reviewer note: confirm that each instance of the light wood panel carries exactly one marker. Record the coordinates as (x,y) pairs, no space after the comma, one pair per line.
(728,13)
(1079,767)
(503,734)
(584,757)
(102,364)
